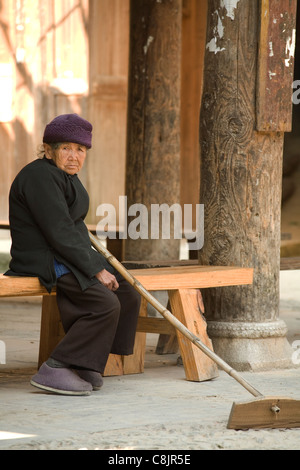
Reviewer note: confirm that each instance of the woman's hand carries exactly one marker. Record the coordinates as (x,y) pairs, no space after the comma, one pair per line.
(107,279)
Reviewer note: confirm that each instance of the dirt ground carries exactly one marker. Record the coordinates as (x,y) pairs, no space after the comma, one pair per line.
(156,410)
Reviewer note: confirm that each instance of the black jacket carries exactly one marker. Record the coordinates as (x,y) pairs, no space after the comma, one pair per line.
(47,208)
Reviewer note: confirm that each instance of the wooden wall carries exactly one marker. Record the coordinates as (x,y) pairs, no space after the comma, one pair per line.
(7,86)
(59,56)
(37,44)
(109,45)
(194,14)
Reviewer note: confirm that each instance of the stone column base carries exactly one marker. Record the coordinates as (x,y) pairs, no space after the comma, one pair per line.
(251,346)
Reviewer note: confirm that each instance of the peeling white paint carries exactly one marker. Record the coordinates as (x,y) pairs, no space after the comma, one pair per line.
(220,27)
(146,47)
(230,6)
(271,49)
(218,34)
(212,46)
(290,48)
(271,74)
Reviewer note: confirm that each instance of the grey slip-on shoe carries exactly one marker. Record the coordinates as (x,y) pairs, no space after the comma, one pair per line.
(60,380)
(94,378)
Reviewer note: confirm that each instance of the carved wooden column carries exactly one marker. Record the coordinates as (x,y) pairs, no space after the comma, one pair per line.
(246,108)
(153,136)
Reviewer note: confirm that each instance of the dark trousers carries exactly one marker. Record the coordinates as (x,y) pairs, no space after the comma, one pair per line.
(96,321)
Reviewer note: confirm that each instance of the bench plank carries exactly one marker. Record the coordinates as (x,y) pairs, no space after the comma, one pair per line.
(169,278)
(20,286)
(192,277)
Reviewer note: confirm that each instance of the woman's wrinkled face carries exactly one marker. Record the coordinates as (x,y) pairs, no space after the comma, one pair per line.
(69,156)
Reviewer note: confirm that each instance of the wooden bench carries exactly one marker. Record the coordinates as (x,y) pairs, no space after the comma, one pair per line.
(181,282)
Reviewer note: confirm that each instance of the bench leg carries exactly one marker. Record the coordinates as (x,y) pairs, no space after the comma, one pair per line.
(51,328)
(185,306)
(52,332)
(114,365)
(167,344)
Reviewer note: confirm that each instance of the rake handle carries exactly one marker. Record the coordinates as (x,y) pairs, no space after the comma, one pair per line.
(170,317)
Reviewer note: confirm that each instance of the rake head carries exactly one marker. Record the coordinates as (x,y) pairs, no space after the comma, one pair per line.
(265,412)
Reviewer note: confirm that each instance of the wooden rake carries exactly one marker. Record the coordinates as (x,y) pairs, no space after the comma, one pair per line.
(263,411)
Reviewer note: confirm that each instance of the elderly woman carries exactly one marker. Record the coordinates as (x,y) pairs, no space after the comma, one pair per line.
(98,308)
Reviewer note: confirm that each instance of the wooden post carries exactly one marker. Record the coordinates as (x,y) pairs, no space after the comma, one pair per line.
(108,46)
(241,174)
(153,134)
(194,14)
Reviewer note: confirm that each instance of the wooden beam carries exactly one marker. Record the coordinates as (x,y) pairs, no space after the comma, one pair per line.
(155,325)
(194,14)
(290,263)
(276,65)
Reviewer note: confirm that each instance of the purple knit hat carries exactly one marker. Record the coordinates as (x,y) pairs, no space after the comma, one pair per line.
(69,128)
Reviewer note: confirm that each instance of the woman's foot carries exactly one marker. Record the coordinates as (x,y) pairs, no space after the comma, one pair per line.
(60,380)
(94,378)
